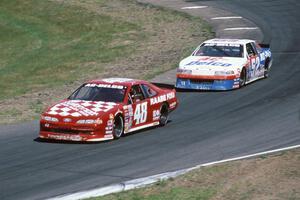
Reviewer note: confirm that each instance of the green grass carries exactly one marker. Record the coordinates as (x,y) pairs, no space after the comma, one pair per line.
(37,106)
(274,177)
(12,112)
(49,47)
(45,44)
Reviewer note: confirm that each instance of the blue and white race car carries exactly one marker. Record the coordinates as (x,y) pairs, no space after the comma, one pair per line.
(224,64)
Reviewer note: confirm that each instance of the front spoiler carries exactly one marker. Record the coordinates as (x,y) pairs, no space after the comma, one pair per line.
(207,85)
(74,137)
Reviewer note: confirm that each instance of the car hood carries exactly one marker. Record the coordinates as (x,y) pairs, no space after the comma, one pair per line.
(203,62)
(80,108)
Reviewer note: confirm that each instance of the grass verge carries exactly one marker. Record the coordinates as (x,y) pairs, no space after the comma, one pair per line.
(48,48)
(274,176)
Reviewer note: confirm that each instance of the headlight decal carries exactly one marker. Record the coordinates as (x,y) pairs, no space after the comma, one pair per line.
(50,119)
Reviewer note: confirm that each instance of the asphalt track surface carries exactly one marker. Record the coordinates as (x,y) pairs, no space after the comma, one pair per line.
(207,126)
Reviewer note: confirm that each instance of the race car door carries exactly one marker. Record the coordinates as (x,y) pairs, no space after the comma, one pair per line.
(141,108)
(254,62)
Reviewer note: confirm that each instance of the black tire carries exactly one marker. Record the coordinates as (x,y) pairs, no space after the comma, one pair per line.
(266,73)
(118,128)
(164,114)
(243,77)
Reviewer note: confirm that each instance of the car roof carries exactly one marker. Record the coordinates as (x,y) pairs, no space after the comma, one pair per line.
(229,41)
(117,81)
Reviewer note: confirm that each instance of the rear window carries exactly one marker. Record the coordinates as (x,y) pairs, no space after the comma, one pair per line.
(149,92)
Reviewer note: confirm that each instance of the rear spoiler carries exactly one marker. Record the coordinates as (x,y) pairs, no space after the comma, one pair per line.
(164,85)
(264,45)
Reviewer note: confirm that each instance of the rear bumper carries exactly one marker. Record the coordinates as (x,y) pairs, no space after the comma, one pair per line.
(207,84)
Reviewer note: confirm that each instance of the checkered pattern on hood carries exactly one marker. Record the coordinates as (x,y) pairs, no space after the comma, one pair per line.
(79,108)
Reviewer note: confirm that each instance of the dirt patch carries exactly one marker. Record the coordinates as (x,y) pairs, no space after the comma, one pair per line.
(167,36)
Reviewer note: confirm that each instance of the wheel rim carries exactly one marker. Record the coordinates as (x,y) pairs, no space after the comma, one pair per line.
(118,127)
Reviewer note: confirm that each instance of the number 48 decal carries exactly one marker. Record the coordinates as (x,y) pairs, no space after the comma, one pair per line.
(140,113)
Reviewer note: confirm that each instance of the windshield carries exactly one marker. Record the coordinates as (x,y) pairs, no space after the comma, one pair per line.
(220,50)
(100,92)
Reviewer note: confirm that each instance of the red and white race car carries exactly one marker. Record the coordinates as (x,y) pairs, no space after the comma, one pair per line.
(106,109)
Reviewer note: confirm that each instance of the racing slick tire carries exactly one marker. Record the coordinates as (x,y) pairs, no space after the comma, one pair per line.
(266,73)
(118,127)
(243,77)
(164,114)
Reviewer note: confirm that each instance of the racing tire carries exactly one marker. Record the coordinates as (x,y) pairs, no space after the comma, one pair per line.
(118,128)
(243,76)
(266,72)
(164,115)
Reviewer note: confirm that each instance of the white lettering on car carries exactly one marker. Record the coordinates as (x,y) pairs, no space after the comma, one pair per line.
(104,86)
(162,98)
(140,113)
(156,115)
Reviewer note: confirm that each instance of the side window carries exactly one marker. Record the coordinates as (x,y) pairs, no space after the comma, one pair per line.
(136,93)
(148,91)
(250,49)
(254,48)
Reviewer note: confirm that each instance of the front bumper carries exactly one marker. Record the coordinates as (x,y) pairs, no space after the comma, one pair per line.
(207,82)
(67,133)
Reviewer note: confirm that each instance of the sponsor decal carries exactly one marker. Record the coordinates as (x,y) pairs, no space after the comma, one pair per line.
(104,86)
(109,126)
(203,87)
(222,44)
(209,62)
(128,114)
(224,40)
(66,137)
(108,135)
(162,98)
(110,122)
(172,105)
(156,115)
(67,120)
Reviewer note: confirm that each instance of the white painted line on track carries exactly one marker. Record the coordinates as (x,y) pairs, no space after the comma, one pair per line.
(142,182)
(229,17)
(193,7)
(250,156)
(240,28)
